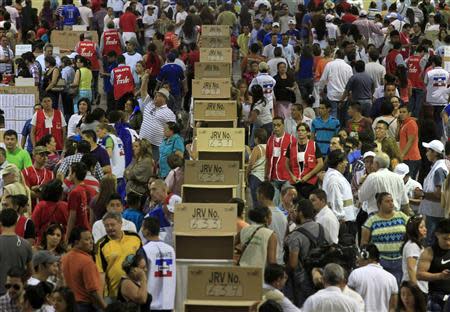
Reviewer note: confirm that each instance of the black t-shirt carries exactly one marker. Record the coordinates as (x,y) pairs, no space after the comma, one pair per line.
(302,148)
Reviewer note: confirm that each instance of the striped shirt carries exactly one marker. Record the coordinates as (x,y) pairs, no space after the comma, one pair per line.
(154,120)
(68,161)
(324,131)
(388,234)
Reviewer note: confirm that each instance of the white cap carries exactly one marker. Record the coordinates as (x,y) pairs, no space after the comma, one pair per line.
(362,13)
(392,15)
(275,24)
(171,201)
(292,22)
(402,169)
(435,145)
(329,17)
(369,154)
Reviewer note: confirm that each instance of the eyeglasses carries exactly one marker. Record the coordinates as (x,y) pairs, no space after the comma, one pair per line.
(15,286)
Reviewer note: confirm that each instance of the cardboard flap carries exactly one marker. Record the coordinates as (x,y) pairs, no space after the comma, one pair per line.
(215,110)
(214,42)
(210,172)
(211,88)
(212,70)
(221,140)
(222,55)
(68,39)
(216,31)
(206,219)
(222,283)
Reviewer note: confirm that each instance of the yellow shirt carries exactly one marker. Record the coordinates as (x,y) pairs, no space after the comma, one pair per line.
(85,78)
(110,256)
(242,42)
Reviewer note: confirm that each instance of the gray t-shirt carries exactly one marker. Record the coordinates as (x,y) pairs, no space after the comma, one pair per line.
(298,242)
(14,252)
(360,84)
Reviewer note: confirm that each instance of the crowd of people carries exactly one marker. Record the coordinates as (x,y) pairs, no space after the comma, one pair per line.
(346,119)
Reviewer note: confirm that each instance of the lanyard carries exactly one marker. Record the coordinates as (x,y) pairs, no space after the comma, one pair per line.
(39,181)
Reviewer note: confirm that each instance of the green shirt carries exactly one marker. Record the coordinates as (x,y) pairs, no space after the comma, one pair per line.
(20,158)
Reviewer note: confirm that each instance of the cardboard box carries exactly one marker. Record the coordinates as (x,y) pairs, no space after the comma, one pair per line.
(212,70)
(24,82)
(219,306)
(211,172)
(217,88)
(22,48)
(21,90)
(214,42)
(68,39)
(204,247)
(224,283)
(221,140)
(223,55)
(227,156)
(215,31)
(217,123)
(205,219)
(207,193)
(215,110)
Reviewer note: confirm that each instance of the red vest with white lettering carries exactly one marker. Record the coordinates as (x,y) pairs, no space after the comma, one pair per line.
(391,65)
(21,226)
(111,42)
(88,50)
(415,72)
(56,130)
(123,81)
(310,161)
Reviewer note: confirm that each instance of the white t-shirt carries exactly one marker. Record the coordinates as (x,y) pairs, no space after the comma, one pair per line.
(13,13)
(375,285)
(436,81)
(85,15)
(49,121)
(98,230)
(132,59)
(72,125)
(330,223)
(412,250)
(149,20)
(279,226)
(267,83)
(273,65)
(180,17)
(161,274)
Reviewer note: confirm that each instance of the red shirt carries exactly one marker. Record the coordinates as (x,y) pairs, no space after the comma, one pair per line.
(47,212)
(78,201)
(415,72)
(348,18)
(409,127)
(34,176)
(128,22)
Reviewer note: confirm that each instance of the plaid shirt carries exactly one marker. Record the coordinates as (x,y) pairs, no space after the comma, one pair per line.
(7,304)
(68,161)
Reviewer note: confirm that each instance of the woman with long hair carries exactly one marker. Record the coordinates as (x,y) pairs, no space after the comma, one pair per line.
(98,204)
(133,114)
(319,32)
(284,90)
(256,164)
(139,171)
(404,84)
(50,79)
(153,63)
(387,114)
(92,120)
(172,143)
(411,299)
(52,239)
(260,114)
(82,81)
(188,33)
(416,232)
(64,300)
(84,108)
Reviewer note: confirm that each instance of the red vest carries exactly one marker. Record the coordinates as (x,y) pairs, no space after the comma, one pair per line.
(21,226)
(310,161)
(123,81)
(415,72)
(88,50)
(111,42)
(391,66)
(56,130)
(277,165)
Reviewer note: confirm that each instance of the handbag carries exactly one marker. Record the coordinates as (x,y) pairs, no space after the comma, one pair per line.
(60,85)
(240,252)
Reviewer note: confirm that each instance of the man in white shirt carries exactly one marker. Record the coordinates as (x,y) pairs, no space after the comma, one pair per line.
(297,117)
(374,69)
(86,14)
(269,49)
(274,280)
(265,194)
(383,180)
(332,29)
(331,298)
(13,13)
(335,76)
(266,82)
(114,205)
(325,216)
(162,267)
(131,56)
(378,287)
(48,51)
(402,170)
(273,63)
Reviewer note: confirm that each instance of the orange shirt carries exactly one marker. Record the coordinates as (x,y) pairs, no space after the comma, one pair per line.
(81,274)
(319,67)
(409,127)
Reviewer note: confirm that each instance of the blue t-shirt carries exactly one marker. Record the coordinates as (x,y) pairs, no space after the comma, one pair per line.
(167,147)
(306,68)
(261,34)
(268,39)
(134,216)
(174,75)
(159,214)
(26,131)
(71,15)
(324,131)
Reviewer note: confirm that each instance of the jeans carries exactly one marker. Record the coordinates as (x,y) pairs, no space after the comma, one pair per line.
(366,107)
(121,186)
(334,108)
(431,224)
(416,101)
(278,185)
(155,151)
(436,302)
(306,87)
(414,166)
(85,307)
(253,183)
(394,267)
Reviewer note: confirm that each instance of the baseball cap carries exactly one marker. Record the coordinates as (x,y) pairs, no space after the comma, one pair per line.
(402,169)
(39,150)
(44,256)
(171,201)
(133,41)
(164,92)
(329,17)
(435,145)
(392,15)
(10,168)
(263,66)
(275,24)
(363,13)
(369,154)
(292,22)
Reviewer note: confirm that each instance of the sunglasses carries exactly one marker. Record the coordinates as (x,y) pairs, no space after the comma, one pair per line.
(15,286)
